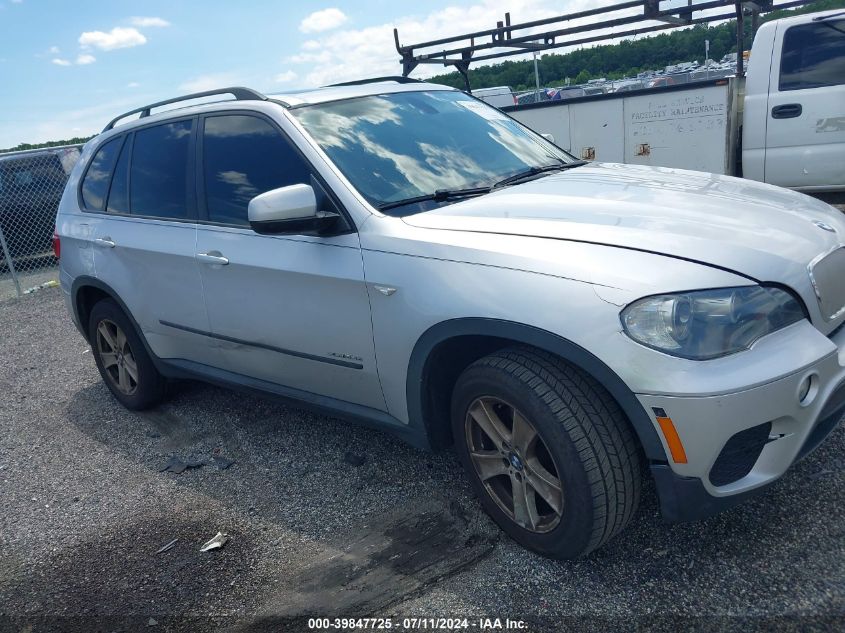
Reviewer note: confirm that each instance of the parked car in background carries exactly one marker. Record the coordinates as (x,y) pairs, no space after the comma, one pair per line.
(661,82)
(565,325)
(595,90)
(497,97)
(563,94)
(627,86)
(31,185)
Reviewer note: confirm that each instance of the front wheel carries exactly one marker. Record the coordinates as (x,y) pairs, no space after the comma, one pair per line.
(547,450)
(122,359)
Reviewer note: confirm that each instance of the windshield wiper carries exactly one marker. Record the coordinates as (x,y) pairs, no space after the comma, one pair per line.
(533,172)
(441,195)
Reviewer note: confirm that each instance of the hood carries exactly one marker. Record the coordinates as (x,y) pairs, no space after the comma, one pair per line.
(757,230)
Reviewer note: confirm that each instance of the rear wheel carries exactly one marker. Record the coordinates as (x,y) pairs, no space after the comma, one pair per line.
(547,450)
(122,359)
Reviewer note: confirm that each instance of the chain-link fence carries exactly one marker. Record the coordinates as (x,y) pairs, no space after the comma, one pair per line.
(31,185)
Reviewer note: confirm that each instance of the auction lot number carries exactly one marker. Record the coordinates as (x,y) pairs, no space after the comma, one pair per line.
(416,624)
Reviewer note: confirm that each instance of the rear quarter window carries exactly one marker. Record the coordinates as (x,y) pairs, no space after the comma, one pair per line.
(95,184)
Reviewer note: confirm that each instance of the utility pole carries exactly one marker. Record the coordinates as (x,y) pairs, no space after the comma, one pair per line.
(536,80)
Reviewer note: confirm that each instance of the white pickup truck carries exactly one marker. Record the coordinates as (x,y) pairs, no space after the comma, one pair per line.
(783,124)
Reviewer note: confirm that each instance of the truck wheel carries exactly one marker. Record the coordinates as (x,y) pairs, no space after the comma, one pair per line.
(122,359)
(548,451)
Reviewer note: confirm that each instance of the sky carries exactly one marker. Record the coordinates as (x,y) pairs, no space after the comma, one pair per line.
(67,68)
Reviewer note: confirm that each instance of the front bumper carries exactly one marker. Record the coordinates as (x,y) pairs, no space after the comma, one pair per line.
(727,458)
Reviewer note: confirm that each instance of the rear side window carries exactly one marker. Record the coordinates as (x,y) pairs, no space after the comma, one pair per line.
(813,55)
(244,156)
(95,185)
(158,181)
(119,191)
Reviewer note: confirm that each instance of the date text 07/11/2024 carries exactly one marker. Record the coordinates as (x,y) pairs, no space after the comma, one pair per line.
(410,624)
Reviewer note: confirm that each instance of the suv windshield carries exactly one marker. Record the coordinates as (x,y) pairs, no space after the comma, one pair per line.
(426,148)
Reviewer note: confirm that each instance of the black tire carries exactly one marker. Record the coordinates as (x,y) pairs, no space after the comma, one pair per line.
(589,439)
(149,388)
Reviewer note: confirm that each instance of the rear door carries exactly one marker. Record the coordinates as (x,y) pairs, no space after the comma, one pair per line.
(144,235)
(805,134)
(288,309)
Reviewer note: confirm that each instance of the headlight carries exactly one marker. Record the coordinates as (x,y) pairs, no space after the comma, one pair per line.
(710,323)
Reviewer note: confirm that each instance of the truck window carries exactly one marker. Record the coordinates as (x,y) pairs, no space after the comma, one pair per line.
(813,55)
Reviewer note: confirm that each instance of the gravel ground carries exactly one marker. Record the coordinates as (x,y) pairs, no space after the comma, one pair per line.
(329,519)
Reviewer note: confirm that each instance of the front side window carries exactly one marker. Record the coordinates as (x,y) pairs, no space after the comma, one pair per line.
(244,156)
(813,55)
(401,146)
(158,181)
(95,185)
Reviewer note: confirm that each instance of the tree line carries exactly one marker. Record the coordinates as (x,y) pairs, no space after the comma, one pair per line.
(76,140)
(625,59)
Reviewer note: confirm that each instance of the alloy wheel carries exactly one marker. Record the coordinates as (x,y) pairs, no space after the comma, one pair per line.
(117,357)
(514,464)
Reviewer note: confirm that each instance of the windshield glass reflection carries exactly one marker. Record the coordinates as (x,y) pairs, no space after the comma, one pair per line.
(399,146)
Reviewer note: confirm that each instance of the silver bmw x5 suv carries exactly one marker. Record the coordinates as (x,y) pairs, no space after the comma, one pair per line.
(403,255)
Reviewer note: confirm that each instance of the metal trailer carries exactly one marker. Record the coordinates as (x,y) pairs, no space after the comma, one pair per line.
(688,126)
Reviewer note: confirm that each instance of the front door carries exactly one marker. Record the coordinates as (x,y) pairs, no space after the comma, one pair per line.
(805,133)
(291,310)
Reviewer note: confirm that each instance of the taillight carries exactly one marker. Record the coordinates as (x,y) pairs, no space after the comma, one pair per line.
(57,244)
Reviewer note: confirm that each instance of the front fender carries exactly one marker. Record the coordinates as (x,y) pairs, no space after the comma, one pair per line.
(418,377)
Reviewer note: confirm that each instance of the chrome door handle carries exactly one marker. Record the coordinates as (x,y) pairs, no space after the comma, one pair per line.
(213,257)
(105,241)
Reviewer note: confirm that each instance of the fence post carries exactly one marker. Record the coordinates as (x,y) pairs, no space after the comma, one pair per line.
(9,262)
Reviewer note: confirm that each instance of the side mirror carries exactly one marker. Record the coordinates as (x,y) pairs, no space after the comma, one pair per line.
(289,210)
(549,137)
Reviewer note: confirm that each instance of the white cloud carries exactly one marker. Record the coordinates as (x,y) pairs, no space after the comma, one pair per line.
(60,62)
(370,52)
(84,59)
(323,57)
(17,1)
(118,37)
(324,20)
(209,82)
(286,77)
(148,21)
(53,50)
(133,84)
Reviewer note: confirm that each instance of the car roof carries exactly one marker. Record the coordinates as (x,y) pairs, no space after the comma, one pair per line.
(289,100)
(350,91)
(804,18)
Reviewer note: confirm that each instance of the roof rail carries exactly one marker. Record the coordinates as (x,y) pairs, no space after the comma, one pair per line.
(360,82)
(240,94)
